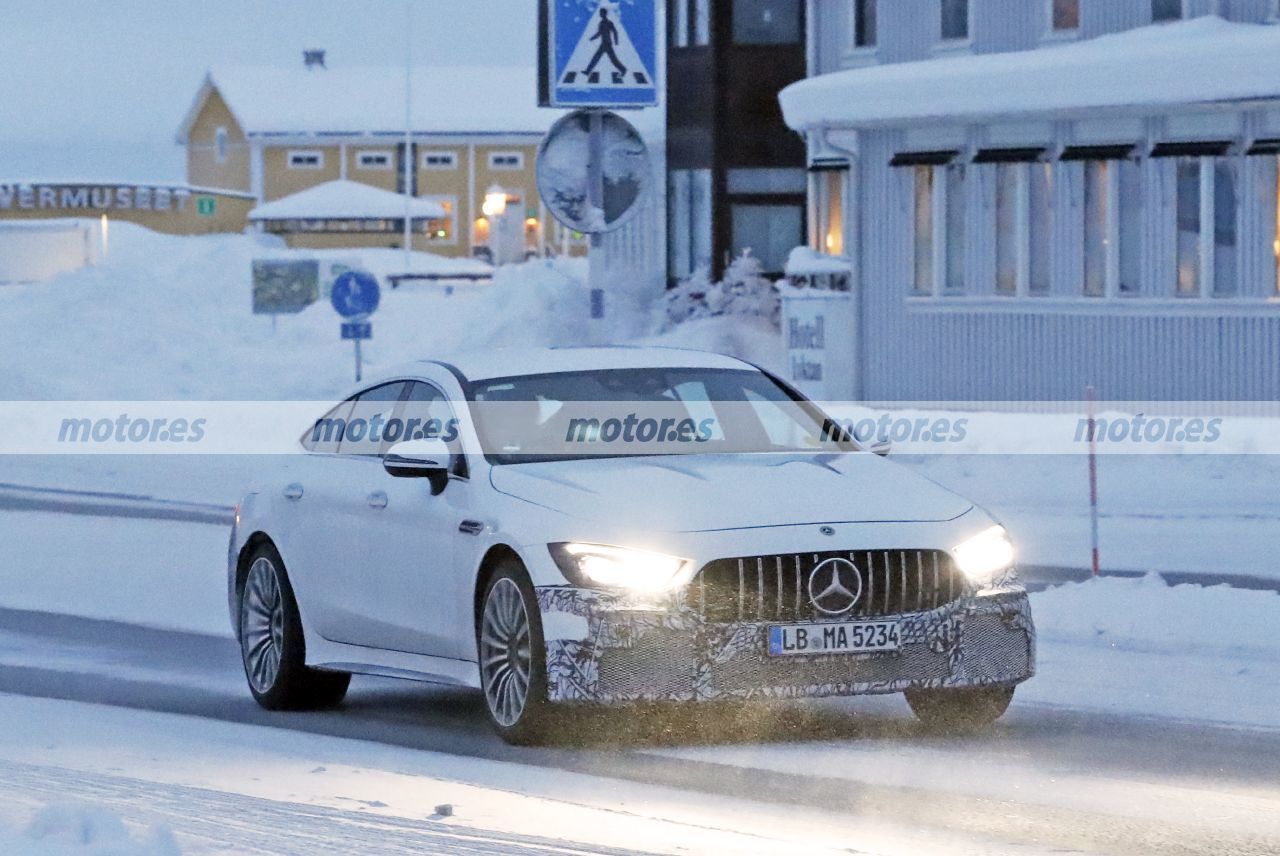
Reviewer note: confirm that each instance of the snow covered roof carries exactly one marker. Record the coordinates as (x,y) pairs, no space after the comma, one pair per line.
(446,100)
(337,200)
(1204,60)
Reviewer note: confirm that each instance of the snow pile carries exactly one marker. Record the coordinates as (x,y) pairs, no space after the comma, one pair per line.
(805,261)
(78,830)
(745,290)
(343,199)
(1145,614)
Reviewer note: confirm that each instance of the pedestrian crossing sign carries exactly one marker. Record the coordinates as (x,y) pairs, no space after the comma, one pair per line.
(599,53)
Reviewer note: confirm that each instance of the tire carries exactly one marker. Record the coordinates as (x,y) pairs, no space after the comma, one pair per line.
(272,648)
(962,710)
(512,657)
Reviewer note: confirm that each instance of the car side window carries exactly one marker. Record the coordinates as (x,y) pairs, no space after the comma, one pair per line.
(426,413)
(325,433)
(371,412)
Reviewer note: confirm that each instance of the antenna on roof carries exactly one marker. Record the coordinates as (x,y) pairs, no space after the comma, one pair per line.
(313,59)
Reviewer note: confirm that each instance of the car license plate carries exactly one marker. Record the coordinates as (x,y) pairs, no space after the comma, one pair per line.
(856,637)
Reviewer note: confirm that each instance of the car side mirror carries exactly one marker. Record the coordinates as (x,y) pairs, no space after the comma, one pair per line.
(420,459)
(880,447)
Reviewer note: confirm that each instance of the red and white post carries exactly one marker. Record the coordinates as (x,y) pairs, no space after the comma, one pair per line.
(1091,397)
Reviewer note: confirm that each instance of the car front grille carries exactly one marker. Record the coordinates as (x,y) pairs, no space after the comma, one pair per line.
(776,587)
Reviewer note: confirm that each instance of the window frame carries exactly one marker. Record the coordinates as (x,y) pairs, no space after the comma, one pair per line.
(450,157)
(1052,30)
(389,163)
(1181,16)
(860,43)
(493,157)
(221,144)
(293,156)
(451,214)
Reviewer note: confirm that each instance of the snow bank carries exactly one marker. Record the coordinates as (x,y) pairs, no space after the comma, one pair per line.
(1145,614)
(81,830)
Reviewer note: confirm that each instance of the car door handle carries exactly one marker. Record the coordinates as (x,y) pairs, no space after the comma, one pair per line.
(377,499)
(293,491)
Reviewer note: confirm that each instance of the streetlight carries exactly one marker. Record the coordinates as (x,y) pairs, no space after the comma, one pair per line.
(495,202)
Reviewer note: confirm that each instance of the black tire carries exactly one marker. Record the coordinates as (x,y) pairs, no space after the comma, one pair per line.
(272,648)
(529,722)
(962,710)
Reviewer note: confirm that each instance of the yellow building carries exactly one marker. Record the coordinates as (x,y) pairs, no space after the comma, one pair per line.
(274,132)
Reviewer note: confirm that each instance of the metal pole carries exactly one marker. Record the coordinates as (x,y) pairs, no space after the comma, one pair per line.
(358,364)
(595,256)
(1091,396)
(409,165)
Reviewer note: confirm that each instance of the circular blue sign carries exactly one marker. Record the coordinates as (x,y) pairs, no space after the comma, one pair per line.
(355,293)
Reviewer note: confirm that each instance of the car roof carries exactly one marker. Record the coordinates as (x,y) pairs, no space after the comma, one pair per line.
(505,362)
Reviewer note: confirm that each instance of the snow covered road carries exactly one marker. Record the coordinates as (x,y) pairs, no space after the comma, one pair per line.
(1046,779)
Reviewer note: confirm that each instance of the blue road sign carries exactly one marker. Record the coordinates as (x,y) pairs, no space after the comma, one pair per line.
(599,53)
(355,293)
(357,330)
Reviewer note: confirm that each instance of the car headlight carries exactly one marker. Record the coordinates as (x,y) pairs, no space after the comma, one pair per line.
(620,567)
(985,554)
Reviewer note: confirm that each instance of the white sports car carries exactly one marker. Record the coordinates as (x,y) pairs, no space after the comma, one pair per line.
(519,522)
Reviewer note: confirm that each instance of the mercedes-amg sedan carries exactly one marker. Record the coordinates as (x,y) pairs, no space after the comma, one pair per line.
(558,527)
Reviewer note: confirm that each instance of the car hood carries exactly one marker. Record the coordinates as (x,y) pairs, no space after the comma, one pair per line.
(701,493)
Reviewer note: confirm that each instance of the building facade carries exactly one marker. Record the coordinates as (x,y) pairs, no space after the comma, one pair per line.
(735,171)
(272,133)
(1043,195)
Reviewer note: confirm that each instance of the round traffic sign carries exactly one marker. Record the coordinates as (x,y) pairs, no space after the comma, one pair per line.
(586,199)
(355,293)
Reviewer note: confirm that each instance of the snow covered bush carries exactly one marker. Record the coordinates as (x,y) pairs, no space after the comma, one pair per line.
(745,290)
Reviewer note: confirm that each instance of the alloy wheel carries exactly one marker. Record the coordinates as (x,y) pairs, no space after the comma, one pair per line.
(505,654)
(262,625)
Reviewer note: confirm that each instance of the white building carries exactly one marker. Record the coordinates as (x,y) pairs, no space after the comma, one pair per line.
(1040,195)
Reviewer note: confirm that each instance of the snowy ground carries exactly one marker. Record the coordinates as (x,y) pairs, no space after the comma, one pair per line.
(179,784)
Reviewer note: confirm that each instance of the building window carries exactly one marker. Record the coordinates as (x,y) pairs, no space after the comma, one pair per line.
(688,222)
(864,23)
(680,24)
(1131,202)
(506,160)
(766,180)
(1226,237)
(701,23)
(1097,227)
(1188,194)
(768,22)
(829,197)
(1010,234)
(442,230)
(770,232)
(1166,10)
(440,160)
(956,205)
(955,19)
(220,145)
(924,238)
(1040,229)
(306,160)
(1064,15)
(373,160)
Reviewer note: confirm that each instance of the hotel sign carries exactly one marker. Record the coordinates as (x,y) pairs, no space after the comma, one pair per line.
(94,197)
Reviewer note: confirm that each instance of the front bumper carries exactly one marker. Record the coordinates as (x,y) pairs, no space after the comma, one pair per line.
(607,648)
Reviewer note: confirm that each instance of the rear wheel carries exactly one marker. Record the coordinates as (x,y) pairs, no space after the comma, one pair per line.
(960,710)
(512,657)
(272,646)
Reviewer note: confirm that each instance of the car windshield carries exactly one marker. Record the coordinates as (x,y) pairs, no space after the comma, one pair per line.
(645,411)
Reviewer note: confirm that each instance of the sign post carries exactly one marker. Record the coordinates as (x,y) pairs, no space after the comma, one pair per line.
(593,165)
(355,297)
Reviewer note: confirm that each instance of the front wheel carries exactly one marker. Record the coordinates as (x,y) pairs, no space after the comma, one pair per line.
(960,710)
(272,646)
(512,657)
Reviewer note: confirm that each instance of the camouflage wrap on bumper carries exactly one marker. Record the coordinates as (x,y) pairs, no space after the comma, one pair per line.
(625,649)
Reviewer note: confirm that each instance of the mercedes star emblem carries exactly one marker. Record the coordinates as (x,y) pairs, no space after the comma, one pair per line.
(835,586)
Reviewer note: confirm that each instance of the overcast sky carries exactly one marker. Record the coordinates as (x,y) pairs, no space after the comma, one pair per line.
(86,86)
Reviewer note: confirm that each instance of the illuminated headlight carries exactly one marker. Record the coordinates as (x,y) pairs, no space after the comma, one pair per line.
(985,554)
(620,567)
